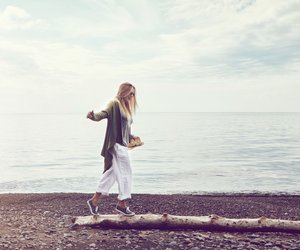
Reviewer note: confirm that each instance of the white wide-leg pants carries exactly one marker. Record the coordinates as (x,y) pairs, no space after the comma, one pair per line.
(120,171)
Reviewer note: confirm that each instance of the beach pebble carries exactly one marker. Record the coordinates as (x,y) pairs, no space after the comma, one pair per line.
(52,230)
(253,236)
(268,244)
(199,238)
(92,245)
(46,213)
(187,241)
(61,224)
(173,243)
(256,242)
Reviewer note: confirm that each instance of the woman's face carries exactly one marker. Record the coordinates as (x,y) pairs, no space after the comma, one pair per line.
(132,94)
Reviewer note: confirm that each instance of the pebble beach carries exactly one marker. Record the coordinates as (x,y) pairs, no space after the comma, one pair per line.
(44,221)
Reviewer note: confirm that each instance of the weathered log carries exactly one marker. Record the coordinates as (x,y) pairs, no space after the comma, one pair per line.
(166,221)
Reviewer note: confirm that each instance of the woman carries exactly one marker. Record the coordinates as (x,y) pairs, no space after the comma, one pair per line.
(118,135)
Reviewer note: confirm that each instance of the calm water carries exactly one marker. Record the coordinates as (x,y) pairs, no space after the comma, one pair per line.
(183,153)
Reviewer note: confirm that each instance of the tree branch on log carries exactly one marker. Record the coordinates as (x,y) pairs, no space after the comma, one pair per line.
(166,221)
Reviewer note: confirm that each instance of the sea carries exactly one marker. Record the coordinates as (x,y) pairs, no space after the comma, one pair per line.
(186,153)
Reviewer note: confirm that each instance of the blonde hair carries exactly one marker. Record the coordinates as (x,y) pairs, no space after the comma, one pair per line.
(127,97)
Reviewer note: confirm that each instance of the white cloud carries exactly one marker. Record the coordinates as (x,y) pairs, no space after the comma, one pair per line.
(16,18)
(234,33)
(205,43)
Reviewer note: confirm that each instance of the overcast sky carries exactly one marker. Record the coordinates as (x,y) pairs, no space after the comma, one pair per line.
(188,55)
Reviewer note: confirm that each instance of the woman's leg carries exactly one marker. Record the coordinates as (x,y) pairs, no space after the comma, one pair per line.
(122,203)
(123,173)
(105,183)
(96,198)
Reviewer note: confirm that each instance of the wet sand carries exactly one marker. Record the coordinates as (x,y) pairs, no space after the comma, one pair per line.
(43,221)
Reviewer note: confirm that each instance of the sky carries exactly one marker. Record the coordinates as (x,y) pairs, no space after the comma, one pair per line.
(183,56)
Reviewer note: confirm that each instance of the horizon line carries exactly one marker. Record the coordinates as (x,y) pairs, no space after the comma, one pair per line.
(62,113)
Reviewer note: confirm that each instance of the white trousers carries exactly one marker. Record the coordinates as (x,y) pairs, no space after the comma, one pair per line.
(120,171)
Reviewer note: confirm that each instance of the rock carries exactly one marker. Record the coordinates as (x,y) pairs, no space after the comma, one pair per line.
(128,242)
(92,245)
(67,235)
(46,213)
(253,236)
(268,244)
(173,243)
(195,248)
(228,236)
(256,242)
(67,217)
(187,241)
(52,230)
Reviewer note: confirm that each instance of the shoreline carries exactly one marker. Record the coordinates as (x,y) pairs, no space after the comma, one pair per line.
(43,220)
(250,193)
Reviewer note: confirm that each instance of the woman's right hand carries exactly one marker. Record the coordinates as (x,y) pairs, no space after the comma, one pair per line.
(90,115)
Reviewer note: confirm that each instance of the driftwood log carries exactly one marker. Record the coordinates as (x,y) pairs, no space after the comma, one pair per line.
(166,221)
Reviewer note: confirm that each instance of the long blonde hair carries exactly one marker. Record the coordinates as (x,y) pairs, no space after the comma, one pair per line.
(127,97)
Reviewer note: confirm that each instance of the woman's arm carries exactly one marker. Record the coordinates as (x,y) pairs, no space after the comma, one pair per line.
(97,116)
(102,114)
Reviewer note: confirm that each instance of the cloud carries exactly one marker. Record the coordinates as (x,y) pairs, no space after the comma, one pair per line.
(233,37)
(208,53)
(170,40)
(162,41)
(14,18)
